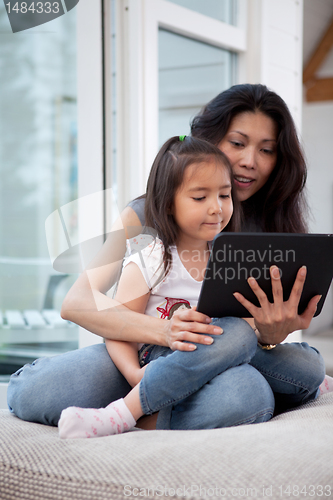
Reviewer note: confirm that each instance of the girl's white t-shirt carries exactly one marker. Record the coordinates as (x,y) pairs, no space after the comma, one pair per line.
(177,290)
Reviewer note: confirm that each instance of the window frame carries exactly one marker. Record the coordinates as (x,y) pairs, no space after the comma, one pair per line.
(90,93)
(141,22)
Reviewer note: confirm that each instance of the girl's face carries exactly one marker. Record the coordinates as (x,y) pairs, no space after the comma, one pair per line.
(251,146)
(202,205)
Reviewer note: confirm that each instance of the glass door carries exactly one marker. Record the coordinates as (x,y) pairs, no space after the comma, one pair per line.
(38,174)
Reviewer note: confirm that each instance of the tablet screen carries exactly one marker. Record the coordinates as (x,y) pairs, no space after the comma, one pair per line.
(237,256)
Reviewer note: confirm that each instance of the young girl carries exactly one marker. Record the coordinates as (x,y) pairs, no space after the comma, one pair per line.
(188,203)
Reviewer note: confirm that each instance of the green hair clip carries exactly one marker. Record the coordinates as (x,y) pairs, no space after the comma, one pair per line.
(182,138)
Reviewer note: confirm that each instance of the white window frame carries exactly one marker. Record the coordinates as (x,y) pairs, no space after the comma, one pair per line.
(90,123)
(141,21)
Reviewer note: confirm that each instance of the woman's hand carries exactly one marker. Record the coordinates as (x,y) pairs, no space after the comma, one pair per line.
(189,325)
(276,320)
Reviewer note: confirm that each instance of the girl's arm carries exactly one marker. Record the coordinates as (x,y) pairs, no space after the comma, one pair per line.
(125,357)
(134,293)
(87,304)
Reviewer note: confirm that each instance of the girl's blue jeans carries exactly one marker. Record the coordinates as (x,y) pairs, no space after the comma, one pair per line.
(231,382)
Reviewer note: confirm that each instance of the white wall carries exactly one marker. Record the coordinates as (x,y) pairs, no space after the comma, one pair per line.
(318,146)
(275,34)
(318,122)
(317,128)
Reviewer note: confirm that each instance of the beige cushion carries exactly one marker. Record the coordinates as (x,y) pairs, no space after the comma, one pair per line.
(294,449)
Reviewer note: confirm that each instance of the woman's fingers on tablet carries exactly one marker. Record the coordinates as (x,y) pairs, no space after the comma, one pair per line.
(276,284)
(276,320)
(297,288)
(261,296)
(309,312)
(246,303)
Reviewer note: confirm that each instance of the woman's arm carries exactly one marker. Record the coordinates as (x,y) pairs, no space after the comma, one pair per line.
(276,320)
(87,305)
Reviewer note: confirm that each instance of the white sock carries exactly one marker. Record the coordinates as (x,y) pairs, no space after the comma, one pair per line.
(90,422)
(326,385)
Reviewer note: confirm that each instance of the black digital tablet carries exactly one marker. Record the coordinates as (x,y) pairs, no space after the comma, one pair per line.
(237,256)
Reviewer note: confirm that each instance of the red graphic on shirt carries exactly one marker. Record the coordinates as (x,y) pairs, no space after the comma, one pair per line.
(171,306)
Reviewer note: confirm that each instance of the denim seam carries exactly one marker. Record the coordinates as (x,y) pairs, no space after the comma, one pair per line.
(144,402)
(251,420)
(279,377)
(285,379)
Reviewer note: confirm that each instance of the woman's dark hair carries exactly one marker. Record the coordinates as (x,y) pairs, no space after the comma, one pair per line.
(166,176)
(279,206)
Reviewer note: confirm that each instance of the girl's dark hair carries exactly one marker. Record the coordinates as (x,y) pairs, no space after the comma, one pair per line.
(279,206)
(166,176)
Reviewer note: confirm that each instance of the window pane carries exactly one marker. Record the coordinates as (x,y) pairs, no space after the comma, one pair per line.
(191,73)
(38,174)
(222,10)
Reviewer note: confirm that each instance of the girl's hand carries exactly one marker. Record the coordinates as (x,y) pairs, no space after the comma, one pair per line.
(189,325)
(276,320)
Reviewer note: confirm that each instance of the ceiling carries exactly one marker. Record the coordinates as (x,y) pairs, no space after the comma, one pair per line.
(318,50)
(317,17)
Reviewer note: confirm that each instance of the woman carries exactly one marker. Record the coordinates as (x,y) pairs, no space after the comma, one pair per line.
(254,128)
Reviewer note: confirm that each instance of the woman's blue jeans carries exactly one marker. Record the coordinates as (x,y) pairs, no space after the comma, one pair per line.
(230,382)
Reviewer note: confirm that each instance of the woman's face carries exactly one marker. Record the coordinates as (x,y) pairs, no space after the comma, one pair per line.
(251,146)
